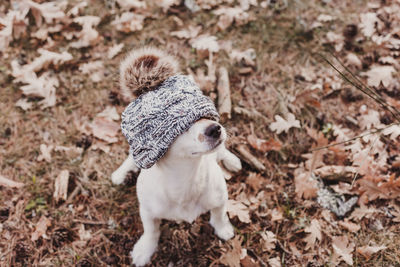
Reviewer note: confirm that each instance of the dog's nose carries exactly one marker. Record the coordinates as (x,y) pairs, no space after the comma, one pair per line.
(213,131)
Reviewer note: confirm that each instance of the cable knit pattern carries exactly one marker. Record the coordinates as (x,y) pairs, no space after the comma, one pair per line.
(155,119)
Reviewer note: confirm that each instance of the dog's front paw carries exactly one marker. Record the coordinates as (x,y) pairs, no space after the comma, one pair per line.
(143,250)
(225,232)
(232,162)
(118,177)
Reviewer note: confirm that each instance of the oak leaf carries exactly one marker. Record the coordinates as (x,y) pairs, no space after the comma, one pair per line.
(315,234)
(237,208)
(282,125)
(343,248)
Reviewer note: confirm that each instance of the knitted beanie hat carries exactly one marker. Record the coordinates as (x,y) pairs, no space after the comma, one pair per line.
(166,105)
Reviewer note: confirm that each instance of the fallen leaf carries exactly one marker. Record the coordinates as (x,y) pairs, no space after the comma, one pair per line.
(41,228)
(276,215)
(368,251)
(275,262)
(95,70)
(128,4)
(232,257)
(9,183)
(269,239)
(315,234)
(128,22)
(264,145)
(61,186)
(237,208)
(205,42)
(109,113)
(247,56)
(189,33)
(72,152)
(350,226)
(49,11)
(228,15)
(24,104)
(353,60)
(306,187)
(84,235)
(45,151)
(88,35)
(343,248)
(282,125)
(368,21)
(114,50)
(380,74)
(325,18)
(105,129)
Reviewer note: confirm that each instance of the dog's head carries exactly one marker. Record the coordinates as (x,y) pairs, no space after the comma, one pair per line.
(203,137)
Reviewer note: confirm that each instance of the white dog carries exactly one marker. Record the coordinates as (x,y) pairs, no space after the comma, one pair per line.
(186,182)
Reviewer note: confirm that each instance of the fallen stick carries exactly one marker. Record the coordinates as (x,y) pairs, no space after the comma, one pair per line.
(249,158)
(224,94)
(9,183)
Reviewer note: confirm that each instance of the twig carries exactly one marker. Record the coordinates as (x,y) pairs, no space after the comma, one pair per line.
(224,94)
(249,158)
(352,139)
(362,87)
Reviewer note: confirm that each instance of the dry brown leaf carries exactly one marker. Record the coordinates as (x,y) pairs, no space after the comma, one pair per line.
(350,226)
(205,42)
(269,239)
(105,129)
(9,183)
(129,22)
(368,21)
(343,248)
(88,35)
(13,25)
(84,235)
(95,69)
(61,186)
(41,228)
(24,104)
(128,4)
(306,187)
(255,181)
(247,56)
(276,215)
(44,86)
(380,74)
(232,257)
(315,233)
(363,211)
(368,251)
(282,125)
(49,11)
(24,72)
(237,208)
(189,33)
(72,152)
(228,15)
(114,50)
(264,145)
(275,262)
(45,151)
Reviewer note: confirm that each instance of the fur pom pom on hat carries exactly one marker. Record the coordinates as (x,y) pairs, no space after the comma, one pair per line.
(166,106)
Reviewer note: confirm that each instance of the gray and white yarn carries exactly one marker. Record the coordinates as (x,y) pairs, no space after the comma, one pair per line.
(155,119)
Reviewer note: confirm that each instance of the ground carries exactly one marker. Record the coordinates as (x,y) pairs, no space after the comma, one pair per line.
(315,93)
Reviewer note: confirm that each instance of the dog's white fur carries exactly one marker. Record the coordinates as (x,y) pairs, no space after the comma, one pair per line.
(183,184)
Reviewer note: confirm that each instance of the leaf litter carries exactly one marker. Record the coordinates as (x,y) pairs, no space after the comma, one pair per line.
(61,140)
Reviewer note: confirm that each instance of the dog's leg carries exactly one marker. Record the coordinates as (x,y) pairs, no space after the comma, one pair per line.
(230,160)
(118,176)
(147,244)
(220,221)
